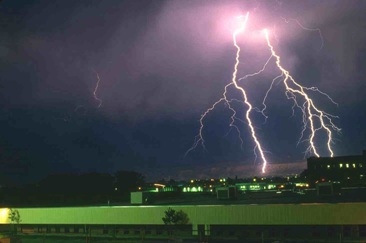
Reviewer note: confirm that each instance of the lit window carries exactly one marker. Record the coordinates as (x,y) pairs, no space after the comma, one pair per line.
(360,165)
(340,165)
(328,166)
(354,165)
(347,165)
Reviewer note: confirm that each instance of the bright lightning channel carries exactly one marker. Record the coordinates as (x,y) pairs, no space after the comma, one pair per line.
(311,113)
(199,138)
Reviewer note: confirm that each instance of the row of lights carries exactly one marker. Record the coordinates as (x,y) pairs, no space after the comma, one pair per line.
(347,165)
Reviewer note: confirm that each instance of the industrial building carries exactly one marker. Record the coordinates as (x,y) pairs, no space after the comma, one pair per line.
(339,222)
(349,170)
(250,211)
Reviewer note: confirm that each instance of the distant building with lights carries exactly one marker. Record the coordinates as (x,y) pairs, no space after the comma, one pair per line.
(350,170)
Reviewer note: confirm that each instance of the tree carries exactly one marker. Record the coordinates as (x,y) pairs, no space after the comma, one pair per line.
(14,217)
(173,217)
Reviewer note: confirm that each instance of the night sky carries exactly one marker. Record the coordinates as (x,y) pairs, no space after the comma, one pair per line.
(161,64)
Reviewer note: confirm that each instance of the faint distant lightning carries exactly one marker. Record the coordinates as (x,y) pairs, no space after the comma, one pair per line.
(311,113)
(82,109)
(96,89)
(199,138)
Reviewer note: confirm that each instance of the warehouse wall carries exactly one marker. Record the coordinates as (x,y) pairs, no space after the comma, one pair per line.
(275,214)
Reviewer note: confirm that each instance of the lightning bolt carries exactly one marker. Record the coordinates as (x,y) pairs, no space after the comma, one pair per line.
(255,74)
(311,113)
(308,29)
(82,107)
(95,91)
(247,115)
(313,118)
(199,138)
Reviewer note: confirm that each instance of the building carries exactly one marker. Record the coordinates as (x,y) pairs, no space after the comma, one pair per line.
(349,170)
(320,222)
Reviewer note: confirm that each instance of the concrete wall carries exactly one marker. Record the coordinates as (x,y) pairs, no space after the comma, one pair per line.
(275,214)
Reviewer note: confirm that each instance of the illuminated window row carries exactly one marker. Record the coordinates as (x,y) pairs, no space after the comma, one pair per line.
(192,189)
(347,165)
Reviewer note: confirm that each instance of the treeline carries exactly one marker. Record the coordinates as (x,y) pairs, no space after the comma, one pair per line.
(74,190)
